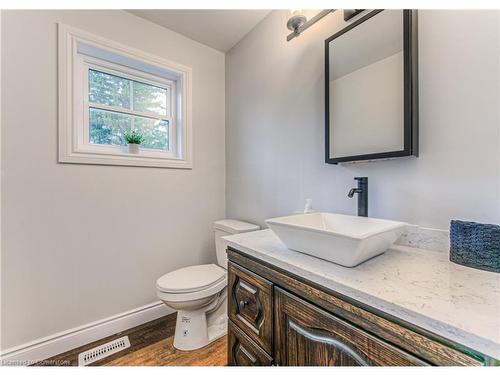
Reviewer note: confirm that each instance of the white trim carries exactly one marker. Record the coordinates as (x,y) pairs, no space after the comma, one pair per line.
(61,342)
(126,72)
(70,149)
(126,111)
(1,165)
(498,118)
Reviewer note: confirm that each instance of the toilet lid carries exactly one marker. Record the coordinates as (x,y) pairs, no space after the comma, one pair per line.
(191,279)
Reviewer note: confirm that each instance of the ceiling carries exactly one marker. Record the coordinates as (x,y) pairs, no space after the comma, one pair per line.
(219,29)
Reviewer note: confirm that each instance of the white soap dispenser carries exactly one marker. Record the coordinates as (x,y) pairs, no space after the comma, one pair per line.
(307,207)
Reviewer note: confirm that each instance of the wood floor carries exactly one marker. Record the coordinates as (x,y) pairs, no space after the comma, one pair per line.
(151,345)
(163,353)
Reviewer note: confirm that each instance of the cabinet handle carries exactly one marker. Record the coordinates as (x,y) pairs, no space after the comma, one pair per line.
(243,304)
(329,341)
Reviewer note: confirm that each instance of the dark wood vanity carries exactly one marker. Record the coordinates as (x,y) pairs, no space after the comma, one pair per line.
(277,318)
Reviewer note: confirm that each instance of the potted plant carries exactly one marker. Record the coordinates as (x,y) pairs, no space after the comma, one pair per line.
(134,139)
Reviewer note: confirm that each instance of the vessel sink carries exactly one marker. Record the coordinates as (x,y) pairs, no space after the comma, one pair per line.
(343,239)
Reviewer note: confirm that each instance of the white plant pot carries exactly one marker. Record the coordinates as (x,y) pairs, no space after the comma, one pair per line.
(133,148)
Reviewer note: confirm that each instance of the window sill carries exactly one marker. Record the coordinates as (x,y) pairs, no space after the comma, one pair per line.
(124,159)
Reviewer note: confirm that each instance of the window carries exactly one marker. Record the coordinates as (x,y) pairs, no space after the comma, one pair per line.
(107,89)
(116,103)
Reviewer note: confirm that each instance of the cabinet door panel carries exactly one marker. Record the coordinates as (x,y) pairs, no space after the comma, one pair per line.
(250,305)
(242,351)
(308,336)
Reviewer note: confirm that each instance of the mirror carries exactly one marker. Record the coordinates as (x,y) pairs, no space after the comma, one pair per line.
(371,88)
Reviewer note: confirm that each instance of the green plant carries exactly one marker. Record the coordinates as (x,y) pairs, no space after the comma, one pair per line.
(133,137)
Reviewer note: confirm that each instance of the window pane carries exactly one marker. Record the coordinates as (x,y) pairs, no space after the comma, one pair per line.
(148,98)
(155,132)
(108,89)
(107,128)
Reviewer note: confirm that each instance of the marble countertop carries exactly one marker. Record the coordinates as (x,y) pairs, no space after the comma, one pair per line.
(419,286)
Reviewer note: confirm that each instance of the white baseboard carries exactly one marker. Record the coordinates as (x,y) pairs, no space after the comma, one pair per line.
(61,342)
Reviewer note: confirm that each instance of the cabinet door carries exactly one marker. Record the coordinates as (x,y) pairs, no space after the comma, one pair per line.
(250,305)
(242,351)
(309,336)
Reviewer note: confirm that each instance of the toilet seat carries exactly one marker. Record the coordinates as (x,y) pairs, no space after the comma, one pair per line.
(199,293)
(191,283)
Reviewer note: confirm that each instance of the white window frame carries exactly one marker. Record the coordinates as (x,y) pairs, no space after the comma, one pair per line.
(85,63)
(74,143)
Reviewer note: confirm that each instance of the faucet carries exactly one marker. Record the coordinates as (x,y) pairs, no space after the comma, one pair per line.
(362,190)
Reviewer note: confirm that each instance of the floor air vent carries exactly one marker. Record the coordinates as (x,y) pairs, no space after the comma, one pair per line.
(103,351)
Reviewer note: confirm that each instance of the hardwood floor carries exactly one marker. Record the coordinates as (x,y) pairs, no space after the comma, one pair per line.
(151,345)
(163,353)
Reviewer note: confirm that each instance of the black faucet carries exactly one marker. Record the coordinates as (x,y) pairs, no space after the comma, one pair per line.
(362,190)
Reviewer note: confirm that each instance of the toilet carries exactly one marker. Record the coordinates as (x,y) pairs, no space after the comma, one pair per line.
(198,293)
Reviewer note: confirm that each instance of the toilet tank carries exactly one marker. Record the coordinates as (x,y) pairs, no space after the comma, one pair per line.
(227,227)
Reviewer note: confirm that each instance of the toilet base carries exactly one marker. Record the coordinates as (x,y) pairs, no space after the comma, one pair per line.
(196,329)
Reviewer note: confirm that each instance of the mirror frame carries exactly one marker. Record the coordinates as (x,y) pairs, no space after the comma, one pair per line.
(410,90)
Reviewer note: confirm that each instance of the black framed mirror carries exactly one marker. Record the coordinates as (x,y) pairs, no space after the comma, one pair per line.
(371,88)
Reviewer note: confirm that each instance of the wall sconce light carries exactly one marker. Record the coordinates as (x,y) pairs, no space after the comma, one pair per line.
(298,22)
(349,13)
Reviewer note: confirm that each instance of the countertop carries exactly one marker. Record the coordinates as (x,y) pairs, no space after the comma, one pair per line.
(419,286)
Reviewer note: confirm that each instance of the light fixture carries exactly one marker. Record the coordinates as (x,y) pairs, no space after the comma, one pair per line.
(350,13)
(297,22)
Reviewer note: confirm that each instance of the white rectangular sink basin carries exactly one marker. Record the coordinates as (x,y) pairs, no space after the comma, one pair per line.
(342,239)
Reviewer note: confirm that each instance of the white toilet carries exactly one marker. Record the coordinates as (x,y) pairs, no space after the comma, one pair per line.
(198,293)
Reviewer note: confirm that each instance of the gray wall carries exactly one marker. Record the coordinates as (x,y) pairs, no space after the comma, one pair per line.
(84,242)
(275,128)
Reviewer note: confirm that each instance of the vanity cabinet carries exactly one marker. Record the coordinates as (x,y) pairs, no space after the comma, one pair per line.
(250,307)
(309,336)
(277,318)
(243,351)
